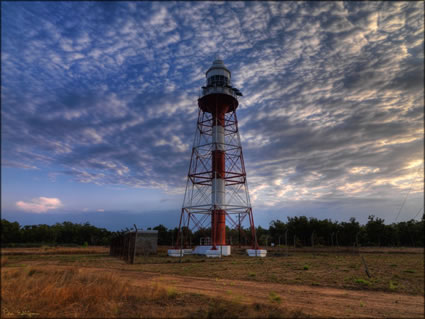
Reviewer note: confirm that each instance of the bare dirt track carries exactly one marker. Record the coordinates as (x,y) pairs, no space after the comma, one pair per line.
(313,301)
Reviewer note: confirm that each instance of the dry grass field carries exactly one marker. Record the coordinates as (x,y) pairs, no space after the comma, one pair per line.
(87,282)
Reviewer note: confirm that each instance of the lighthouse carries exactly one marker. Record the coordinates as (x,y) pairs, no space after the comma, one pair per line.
(216,193)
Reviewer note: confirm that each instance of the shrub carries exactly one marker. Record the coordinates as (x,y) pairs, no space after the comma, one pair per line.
(31,272)
(172,292)
(362,282)
(274,297)
(393,285)
(409,271)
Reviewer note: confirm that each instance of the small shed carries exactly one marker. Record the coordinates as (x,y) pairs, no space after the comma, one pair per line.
(147,242)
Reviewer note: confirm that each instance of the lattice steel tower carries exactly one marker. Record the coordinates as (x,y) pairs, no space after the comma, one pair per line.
(217,189)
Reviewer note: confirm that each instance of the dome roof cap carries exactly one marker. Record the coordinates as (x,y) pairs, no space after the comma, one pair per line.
(218,64)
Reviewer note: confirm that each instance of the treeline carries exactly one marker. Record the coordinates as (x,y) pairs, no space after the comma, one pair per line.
(306,232)
(302,231)
(59,233)
(298,231)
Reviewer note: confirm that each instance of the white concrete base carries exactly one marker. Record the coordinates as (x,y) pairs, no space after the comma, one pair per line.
(207,250)
(225,250)
(201,250)
(178,252)
(213,253)
(256,252)
(175,252)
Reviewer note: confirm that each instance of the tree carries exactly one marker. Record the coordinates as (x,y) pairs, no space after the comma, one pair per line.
(277,231)
(163,235)
(349,231)
(10,232)
(375,228)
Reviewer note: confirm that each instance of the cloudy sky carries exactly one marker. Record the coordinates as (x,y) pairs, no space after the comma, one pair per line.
(99,107)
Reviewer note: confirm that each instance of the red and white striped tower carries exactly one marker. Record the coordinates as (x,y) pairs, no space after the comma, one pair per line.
(216,189)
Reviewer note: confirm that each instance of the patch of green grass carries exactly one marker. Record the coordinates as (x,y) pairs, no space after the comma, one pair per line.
(393,265)
(274,297)
(409,271)
(362,281)
(171,292)
(31,272)
(28,314)
(306,267)
(393,285)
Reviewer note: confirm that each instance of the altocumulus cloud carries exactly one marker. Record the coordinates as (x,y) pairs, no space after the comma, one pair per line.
(40,205)
(105,92)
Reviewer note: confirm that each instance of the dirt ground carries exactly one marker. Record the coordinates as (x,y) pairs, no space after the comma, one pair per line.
(313,301)
(308,299)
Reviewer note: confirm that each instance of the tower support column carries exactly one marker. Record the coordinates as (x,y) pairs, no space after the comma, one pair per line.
(218,193)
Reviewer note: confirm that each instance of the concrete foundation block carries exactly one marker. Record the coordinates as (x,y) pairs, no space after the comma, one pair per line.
(175,252)
(224,250)
(256,252)
(213,253)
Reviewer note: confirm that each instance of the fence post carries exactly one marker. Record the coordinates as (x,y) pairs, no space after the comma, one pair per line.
(135,244)
(122,246)
(312,239)
(128,246)
(357,243)
(365,268)
(336,239)
(239,231)
(181,246)
(286,243)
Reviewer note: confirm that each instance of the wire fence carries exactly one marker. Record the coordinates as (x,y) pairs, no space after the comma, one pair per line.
(127,245)
(123,245)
